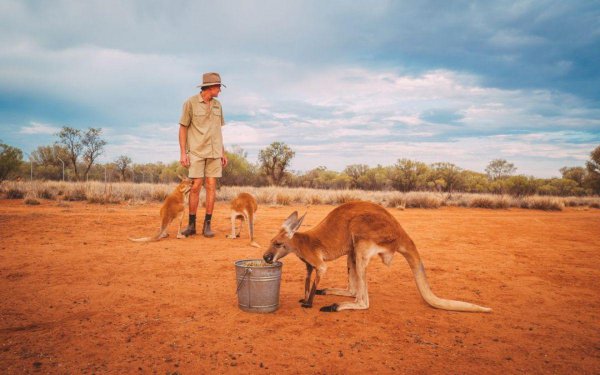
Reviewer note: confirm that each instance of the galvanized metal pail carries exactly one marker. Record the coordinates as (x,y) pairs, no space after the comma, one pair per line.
(258,285)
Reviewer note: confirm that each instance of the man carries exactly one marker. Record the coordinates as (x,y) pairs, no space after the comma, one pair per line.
(201,146)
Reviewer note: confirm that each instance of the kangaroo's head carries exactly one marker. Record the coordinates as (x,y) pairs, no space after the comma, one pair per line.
(185,185)
(281,245)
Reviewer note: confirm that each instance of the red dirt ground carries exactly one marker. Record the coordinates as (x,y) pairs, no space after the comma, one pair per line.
(77,297)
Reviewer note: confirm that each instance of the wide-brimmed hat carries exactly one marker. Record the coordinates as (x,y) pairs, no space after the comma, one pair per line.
(211,79)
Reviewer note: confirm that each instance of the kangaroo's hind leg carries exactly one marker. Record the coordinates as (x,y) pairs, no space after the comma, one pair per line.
(233,234)
(361,302)
(250,222)
(179,235)
(351,290)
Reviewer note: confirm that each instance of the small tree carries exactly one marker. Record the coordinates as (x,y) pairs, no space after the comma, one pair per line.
(577,174)
(593,168)
(70,138)
(356,172)
(274,161)
(409,175)
(93,146)
(48,159)
(122,163)
(10,160)
(447,177)
(499,168)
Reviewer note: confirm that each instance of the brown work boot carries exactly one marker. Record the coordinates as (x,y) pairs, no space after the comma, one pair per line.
(206,232)
(191,228)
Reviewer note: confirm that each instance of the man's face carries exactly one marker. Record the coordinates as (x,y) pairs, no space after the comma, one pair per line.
(214,90)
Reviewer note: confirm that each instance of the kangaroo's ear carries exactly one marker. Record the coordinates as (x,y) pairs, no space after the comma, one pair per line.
(290,223)
(299,223)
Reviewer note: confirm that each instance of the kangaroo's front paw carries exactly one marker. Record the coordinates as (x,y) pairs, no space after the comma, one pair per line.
(231,237)
(330,308)
(180,236)
(306,305)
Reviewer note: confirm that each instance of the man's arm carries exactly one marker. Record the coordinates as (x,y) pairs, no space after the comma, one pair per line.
(183,158)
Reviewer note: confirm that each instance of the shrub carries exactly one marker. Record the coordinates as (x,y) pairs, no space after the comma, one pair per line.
(542,203)
(341,198)
(15,194)
(484,201)
(423,200)
(76,194)
(396,201)
(32,201)
(283,199)
(159,195)
(315,199)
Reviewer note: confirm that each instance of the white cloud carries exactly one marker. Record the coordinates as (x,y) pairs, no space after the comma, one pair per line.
(39,128)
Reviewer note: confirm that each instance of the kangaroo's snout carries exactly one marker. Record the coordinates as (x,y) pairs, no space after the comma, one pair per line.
(268,257)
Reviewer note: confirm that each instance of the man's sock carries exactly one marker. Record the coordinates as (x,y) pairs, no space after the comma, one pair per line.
(207,217)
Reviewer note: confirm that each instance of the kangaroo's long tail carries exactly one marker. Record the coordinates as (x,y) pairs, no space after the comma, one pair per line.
(148,239)
(423,285)
(144,239)
(441,303)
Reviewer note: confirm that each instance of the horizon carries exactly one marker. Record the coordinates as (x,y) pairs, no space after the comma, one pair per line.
(339,83)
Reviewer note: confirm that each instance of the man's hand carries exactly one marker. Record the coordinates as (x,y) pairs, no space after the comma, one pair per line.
(184,160)
(224,161)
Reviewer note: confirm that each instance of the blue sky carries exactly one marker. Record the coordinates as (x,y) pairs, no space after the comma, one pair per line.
(341,82)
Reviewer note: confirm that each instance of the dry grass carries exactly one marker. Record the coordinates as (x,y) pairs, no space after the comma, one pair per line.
(130,193)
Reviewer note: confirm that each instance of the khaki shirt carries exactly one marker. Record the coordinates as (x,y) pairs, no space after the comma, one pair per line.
(204,121)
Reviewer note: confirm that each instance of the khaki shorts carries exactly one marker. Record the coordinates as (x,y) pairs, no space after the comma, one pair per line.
(204,167)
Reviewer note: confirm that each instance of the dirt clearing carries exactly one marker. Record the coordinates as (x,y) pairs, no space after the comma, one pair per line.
(77,297)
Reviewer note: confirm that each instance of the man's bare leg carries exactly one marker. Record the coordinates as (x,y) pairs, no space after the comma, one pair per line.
(211,192)
(194,200)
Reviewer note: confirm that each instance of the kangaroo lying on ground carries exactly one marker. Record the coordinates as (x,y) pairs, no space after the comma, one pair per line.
(174,205)
(243,206)
(359,230)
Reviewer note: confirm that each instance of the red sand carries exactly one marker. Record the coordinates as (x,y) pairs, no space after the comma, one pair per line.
(77,297)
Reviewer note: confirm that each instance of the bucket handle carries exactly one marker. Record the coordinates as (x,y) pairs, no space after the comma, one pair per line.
(248,270)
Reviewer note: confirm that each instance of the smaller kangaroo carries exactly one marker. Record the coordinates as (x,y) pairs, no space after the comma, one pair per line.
(174,205)
(243,206)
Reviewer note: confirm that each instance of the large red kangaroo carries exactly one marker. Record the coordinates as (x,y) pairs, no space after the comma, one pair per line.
(359,230)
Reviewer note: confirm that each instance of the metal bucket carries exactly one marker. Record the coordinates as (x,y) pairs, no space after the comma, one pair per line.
(258,286)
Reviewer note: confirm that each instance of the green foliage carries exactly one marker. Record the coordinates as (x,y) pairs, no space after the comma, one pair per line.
(239,171)
(447,177)
(577,174)
(475,182)
(405,175)
(593,168)
(10,160)
(520,186)
(356,172)
(323,178)
(70,139)
(378,178)
(560,187)
(274,160)
(93,147)
(88,145)
(409,175)
(122,163)
(499,168)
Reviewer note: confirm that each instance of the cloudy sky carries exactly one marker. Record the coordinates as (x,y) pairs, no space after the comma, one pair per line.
(341,82)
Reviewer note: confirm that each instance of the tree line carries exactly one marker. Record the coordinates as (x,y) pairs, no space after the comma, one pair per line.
(73,156)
